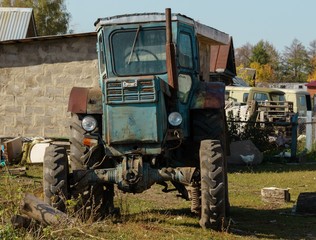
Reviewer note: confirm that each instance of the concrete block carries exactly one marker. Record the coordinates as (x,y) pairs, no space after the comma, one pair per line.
(53,69)
(37,110)
(10,130)
(43,121)
(54,91)
(7,120)
(275,195)
(30,82)
(13,109)
(51,132)
(23,121)
(33,70)
(54,111)
(33,131)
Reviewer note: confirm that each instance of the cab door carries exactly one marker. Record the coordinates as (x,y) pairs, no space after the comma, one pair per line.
(187,70)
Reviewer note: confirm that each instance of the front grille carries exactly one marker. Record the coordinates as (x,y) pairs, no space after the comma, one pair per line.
(130,91)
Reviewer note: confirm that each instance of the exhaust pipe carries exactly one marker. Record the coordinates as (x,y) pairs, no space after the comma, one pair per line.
(170,54)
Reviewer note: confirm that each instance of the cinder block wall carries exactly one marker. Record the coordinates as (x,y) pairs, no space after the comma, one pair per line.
(36,77)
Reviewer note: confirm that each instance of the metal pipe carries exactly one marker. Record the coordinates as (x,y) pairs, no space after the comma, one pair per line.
(168,26)
(170,54)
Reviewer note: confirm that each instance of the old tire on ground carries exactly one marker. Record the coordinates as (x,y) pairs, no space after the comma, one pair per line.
(96,199)
(55,177)
(213,199)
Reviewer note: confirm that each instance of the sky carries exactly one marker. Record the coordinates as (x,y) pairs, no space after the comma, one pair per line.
(246,21)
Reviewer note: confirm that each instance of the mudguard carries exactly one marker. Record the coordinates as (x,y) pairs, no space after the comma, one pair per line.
(85,100)
(209,95)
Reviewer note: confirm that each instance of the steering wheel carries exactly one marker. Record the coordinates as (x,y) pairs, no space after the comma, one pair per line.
(137,54)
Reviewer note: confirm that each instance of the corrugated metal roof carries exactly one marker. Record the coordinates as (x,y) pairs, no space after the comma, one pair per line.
(16,23)
(48,38)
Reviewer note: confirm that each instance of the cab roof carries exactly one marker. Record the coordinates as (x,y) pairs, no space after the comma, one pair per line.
(203,31)
(257,89)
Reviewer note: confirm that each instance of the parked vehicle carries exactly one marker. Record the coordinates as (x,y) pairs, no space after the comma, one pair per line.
(301,100)
(260,105)
(154,119)
(244,95)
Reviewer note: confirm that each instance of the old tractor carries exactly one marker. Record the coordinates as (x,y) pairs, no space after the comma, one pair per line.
(156,118)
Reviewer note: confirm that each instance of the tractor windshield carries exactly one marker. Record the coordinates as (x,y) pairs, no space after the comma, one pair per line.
(139,52)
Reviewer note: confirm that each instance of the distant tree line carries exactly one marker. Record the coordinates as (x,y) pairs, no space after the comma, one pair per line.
(295,64)
(51,16)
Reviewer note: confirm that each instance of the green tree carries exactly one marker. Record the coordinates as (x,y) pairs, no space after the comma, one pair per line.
(262,57)
(296,62)
(260,54)
(51,16)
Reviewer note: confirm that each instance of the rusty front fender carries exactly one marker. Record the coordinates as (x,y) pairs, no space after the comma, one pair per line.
(85,100)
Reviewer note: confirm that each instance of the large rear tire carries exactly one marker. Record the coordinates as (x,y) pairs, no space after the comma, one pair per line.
(213,187)
(55,177)
(96,199)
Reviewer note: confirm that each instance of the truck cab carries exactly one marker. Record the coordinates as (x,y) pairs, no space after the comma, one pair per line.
(301,100)
(245,95)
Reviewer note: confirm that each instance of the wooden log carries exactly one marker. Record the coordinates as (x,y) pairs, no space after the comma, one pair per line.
(42,212)
(306,203)
(275,195)
(17,171)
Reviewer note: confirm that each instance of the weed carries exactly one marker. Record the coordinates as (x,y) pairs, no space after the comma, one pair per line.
(157,215)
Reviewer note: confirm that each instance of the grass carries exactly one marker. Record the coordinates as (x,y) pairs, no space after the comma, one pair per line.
(157,215)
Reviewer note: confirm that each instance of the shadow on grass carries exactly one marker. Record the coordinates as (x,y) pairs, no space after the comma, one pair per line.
(272,167)
(272,223)
(247,222)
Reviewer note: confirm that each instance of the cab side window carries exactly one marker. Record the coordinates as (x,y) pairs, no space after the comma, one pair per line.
(101,54)
(245,97)
(185,51)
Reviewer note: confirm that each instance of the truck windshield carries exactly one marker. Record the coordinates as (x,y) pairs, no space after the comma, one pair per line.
(139,52)
(277,97)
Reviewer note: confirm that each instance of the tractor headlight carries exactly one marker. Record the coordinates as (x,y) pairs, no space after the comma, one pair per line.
(89,123)
(175,119)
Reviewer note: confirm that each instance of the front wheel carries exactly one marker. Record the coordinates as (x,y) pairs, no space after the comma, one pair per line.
(96,200)
(213,187)
(55,177)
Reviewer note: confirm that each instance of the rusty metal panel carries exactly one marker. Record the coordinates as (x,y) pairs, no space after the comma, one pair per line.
(132,123)
(78,100)
(94,101)
(15,23)
(209,95)
(85,100)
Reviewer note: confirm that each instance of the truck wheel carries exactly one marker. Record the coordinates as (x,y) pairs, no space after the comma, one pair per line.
(55,177)
(213,199)
(96,200)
